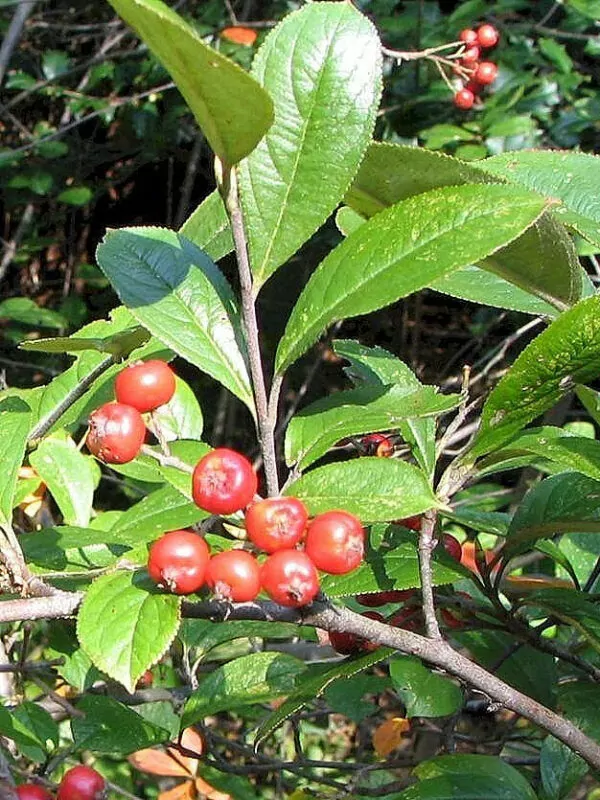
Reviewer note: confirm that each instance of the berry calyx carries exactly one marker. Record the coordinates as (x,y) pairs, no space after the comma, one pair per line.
(234,575)
(335,542)
(464,99)
(81,783)
(178,562)
(349,643)
(468,36)
(276,523)
(452,546)
(485,73)
(32,791)
(145,385)
(290,578)
(223,482)
(376,599)
(116,433)
(487,36)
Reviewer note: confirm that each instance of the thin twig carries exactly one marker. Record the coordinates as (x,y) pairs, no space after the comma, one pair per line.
(426,545)
(13,34)
(167,460)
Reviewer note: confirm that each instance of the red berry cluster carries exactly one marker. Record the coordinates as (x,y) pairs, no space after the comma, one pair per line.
(409,616)
(224,482)
(478,73)
(117,430)
(79,783)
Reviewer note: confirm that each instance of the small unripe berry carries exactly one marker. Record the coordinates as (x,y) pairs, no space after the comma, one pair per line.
(487,36)
(485,73)
(464,99)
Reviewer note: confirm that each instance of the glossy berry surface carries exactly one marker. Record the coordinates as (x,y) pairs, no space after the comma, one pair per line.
(471,55)
(376,599)
(487,36)
(335,542)
(290,578)
(223,482)
(485,73)
(412,523)
(32,791)
(464,99)
(468,36)
(116,433)
(234,575)
(178,562)
(276,523)
(81,783)
(349,643)
(145,385)
(452,546)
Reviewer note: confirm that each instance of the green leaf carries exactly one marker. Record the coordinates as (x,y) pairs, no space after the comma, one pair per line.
(181,417)
(542,261)
(31,728)
(69,476)
(190,452)
(204,635)
(15,416)
(423,692)
(403,249)
(560,769)
(125,625)
(375,366)
(366,410)
(69,549)
(252,679)
(76,195)
(569,177)
(164,510)
(110,727)
(231,108)
(394,564)
(313,686)
(353,696)
(181,297)
(119,344)
(572,608)
(468,777)
(208,227)
(556,53)
(565,354)
(375,489)
(322,67)
(591,8)
(560,504)
(77,668)
(25,311)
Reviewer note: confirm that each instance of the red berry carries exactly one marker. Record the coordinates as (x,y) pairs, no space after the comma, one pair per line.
(457,618)
(452,546)
(349,643)
(290,578)
(485,73)
(468,36)
(145,385)
(412,523)
(81,783)
(471,55)
(223,482)
(32,791)
(487,36)
(276,523)
(378,444)
(409,618)
(335,542)
(116,433)
(464,99)
(376,599)
(178,561)
(234,575)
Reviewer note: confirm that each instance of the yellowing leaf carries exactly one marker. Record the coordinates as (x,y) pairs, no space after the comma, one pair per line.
(387,737)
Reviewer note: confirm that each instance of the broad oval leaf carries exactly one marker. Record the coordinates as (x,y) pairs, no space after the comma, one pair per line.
(569,177)
(106,726)
(65,548)
(375,489)
(366,410)
(69,476)
(15,418)
(125,625)
(403,249)
(256,678)
(565,354)
(423,692)
(208,227)
(182,298)
(322,67)
(231,108)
